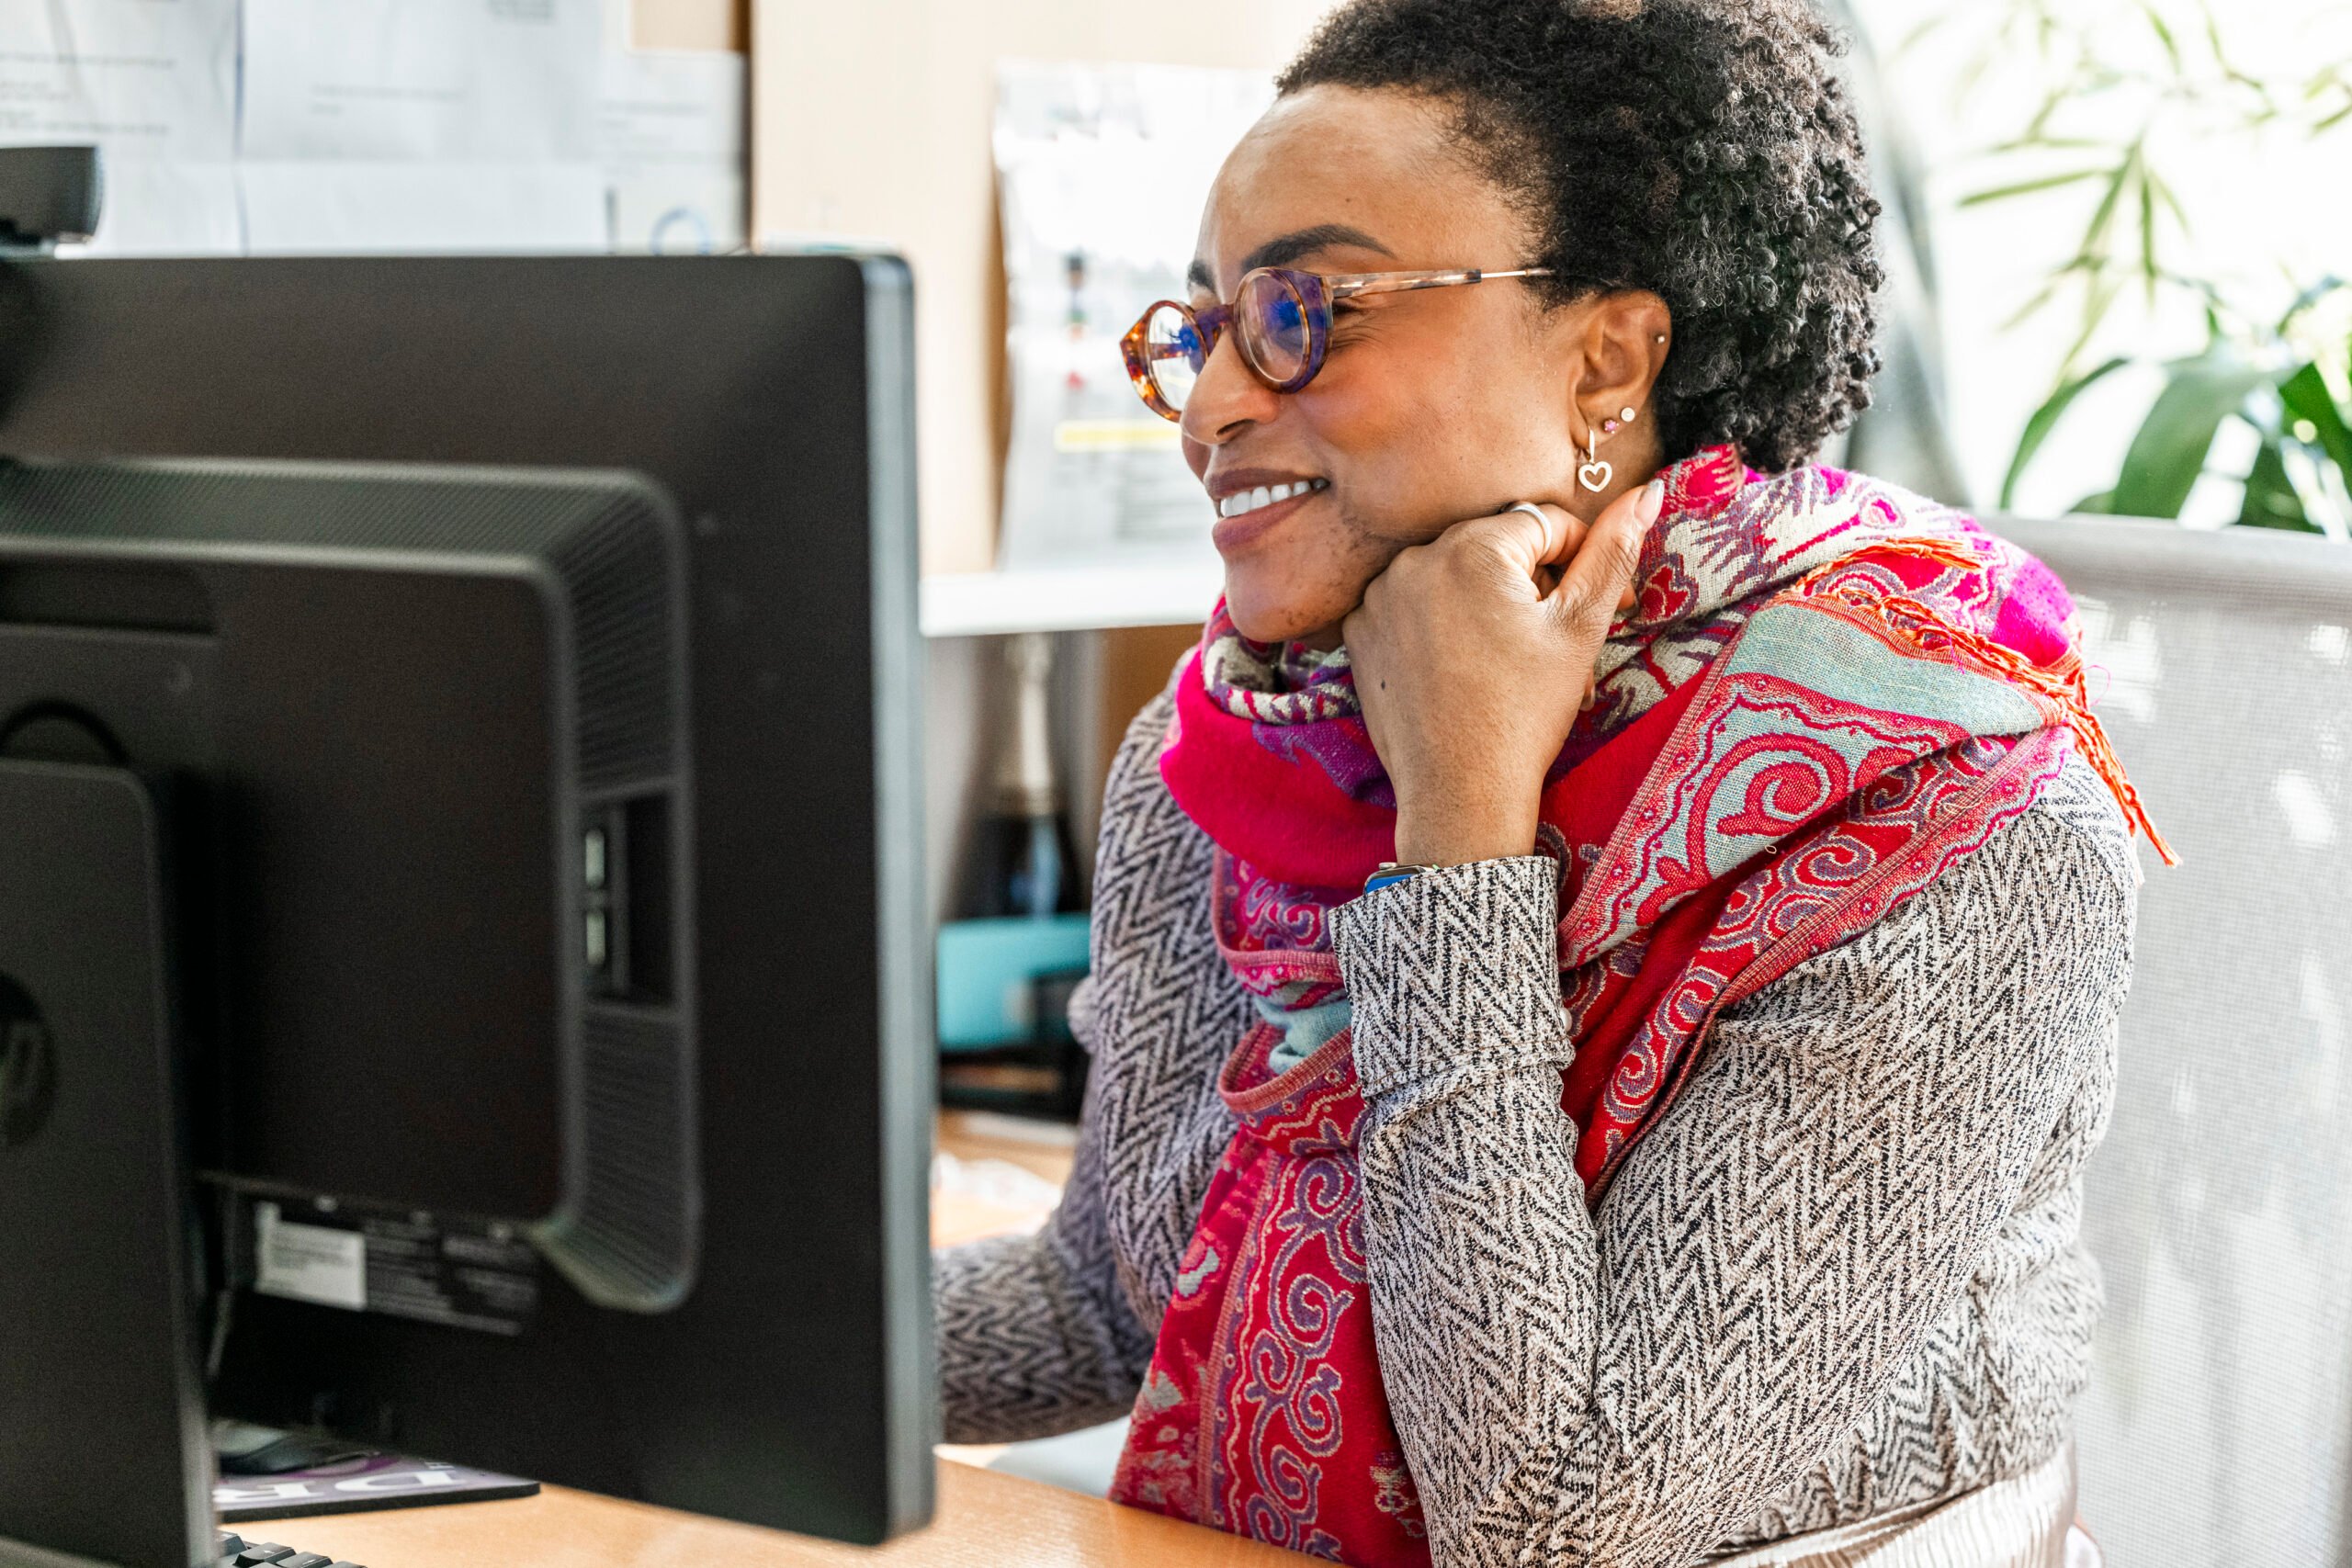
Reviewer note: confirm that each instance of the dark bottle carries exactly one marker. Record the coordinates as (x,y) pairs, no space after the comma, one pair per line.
(1021,861)
(1006,972)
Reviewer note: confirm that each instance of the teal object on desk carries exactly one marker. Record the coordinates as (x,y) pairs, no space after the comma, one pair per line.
(988,971)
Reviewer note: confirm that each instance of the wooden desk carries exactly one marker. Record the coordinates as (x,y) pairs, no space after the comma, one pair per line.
(985,1520)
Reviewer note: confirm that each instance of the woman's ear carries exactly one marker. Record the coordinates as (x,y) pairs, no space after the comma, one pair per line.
(1626,339)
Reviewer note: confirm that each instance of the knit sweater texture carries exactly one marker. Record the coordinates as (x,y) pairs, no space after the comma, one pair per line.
(1842,1275)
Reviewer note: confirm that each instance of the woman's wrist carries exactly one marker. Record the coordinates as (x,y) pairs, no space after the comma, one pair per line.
(1463,838)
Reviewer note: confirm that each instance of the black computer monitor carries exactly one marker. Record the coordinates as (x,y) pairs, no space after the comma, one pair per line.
(779,1371)
(344,856)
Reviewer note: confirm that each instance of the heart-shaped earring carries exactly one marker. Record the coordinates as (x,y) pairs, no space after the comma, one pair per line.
(1592,473)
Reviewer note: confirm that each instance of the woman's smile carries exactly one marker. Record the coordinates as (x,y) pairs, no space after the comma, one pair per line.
(1250,501)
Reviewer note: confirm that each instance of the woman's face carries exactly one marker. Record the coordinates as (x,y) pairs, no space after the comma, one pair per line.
(1432,407)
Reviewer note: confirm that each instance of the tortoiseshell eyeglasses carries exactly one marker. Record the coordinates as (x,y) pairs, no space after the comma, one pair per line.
(1284,319)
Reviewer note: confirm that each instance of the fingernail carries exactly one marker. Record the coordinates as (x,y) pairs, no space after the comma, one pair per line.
(1653,501)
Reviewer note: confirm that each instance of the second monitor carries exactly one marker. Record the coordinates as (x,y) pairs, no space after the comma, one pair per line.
(366,789)
(768,398)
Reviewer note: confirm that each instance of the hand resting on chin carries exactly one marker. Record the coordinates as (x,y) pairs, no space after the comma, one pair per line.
(1473,654)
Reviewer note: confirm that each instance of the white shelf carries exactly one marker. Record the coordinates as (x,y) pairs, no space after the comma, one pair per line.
(1071,599)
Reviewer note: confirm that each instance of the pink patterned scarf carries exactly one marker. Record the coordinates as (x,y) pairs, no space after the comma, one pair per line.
(1829,690)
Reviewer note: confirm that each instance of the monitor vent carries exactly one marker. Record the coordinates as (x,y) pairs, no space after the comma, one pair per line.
(608,537)
(373,507)
(628,1236)
(621,579)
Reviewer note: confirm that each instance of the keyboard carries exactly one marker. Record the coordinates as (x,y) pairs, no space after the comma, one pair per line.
(236,1551)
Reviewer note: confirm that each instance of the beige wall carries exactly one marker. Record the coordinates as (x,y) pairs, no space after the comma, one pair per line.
(689,24)
(871,117)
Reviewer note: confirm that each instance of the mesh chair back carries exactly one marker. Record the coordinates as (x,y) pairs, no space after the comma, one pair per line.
(2218,1425)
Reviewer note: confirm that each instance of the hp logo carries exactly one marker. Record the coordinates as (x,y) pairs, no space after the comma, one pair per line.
(27,1067)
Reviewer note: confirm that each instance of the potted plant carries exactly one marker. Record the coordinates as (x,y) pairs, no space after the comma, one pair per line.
(2120,89)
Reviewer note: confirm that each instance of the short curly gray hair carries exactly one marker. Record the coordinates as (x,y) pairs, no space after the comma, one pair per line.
(1700,150)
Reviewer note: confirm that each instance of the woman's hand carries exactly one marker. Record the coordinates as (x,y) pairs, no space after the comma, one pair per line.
(1473,663)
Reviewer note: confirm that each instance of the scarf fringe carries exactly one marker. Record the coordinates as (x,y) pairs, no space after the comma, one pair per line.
(1930,630)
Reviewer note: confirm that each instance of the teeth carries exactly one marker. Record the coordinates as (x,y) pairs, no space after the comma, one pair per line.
(1267,495)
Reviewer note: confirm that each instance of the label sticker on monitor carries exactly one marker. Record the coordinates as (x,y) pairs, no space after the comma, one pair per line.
(307,1263)
(404,1263)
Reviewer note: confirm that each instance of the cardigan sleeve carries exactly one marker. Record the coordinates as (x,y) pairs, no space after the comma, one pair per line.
(1639,1385)
(1035,1335)
(1047,1333)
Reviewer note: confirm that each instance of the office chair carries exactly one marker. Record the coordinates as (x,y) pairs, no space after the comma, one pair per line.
(2218,1424)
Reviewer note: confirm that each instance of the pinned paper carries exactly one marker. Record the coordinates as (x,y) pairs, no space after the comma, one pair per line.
(464,81)
(1102,171)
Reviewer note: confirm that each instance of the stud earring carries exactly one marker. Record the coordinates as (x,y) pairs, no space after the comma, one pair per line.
(1594,474)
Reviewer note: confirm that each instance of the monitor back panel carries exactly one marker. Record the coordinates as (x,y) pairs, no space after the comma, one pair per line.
(768,395)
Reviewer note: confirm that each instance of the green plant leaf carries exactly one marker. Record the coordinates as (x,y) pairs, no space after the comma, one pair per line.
(1918,35)
(2026,187)
(2270,498)
(2040,123)
(2094,234)
(2306,396)
(2091,269)
(2163,34)
(2098,505)
(2045,418)
(2163,187)
(2213,35)
(2032,138)
(2097,296)
(2168,453)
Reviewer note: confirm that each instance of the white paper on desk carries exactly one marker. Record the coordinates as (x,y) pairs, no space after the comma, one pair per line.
(155,207)
(671,132)
(1102,171)
(497,81)
(141,78)
(306,206)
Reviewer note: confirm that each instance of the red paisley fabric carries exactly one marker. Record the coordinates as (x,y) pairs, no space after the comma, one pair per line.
(1271,1313)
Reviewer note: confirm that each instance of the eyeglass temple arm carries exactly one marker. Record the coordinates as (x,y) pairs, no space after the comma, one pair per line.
(1344,285)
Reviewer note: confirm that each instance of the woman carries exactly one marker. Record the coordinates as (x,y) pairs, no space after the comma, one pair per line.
(1606,960)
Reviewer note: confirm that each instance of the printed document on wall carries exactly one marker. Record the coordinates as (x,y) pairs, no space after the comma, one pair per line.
(141,78)
(489,81)
(154,84)
(670,132)
(1101,172)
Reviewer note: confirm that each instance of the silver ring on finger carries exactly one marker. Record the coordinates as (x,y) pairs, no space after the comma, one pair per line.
(1530,509)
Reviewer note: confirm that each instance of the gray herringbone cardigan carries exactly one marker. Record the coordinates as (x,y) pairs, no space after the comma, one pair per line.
(1841,1275)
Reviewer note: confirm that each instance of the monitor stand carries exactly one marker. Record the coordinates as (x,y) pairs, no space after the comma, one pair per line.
(103,1454)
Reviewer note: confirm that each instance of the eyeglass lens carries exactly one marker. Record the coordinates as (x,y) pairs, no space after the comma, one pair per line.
(1176,351)
(1277,339)
(1274,323)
